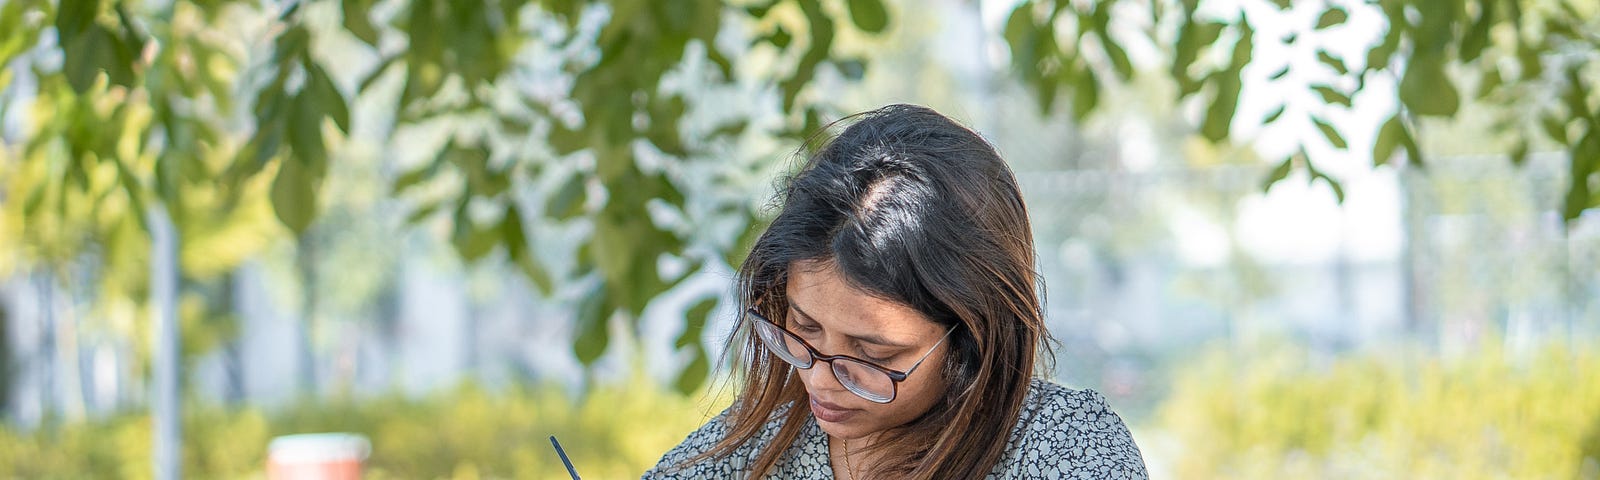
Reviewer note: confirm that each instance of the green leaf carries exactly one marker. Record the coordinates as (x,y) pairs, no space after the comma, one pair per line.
(1278,173)
(423,213)
(759,11)
(1331,96)
(1378,57)
(516,241)
(322,92)
(1389,138)
(1334,63)
(1085,95)
(294,195)
(1519,152)
(74,17)
(566,141)
(1528,57)
(409,179)
(1219,115)
(1118,56)
(1333,16)
(1413,152)
(358,21)
(568,200)
(694,322)
(869,15)
(740,248)
(1477,37)
(822,32)
(779,38)
(695,374)
(1273,117)
(94,51)
(1279,74)
(1334,138)
(613,248)
(1046,95)
(1555,127)
(853,69)
(305,133)
(1490,81)
(594,311)
(1338,191)
(471,242)
(1426,90)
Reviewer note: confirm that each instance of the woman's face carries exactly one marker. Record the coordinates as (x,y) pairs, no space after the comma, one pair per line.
(837,319)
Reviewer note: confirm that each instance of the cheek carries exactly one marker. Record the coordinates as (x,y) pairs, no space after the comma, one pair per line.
(923,388)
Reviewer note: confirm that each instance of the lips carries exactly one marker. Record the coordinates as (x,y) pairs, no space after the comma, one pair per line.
(831,413)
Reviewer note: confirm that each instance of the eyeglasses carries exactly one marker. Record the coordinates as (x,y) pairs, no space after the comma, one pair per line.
(863,378)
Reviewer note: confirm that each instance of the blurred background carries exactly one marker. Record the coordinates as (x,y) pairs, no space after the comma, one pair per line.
(1322,239)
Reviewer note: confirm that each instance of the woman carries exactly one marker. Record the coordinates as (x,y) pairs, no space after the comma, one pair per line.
(891,322)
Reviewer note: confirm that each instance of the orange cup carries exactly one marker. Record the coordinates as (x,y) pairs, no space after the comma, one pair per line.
(317,456)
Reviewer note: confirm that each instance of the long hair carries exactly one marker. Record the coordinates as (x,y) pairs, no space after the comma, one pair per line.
(914,208)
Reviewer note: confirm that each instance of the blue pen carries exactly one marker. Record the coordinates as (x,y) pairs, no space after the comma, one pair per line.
(563,454)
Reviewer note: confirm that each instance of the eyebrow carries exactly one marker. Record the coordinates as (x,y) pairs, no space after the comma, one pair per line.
(868,337)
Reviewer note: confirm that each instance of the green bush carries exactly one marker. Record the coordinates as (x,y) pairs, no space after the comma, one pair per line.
(1284,413)
(467,432)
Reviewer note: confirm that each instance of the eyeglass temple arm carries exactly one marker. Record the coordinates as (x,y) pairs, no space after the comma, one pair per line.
(930,350)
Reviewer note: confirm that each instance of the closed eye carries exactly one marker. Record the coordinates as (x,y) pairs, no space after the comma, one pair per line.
(875,359)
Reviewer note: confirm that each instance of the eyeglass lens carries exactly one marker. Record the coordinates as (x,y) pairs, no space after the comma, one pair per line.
(870,383)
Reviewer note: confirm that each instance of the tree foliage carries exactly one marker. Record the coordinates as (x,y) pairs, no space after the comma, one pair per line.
(135,102)
(1532,64)
(160,102)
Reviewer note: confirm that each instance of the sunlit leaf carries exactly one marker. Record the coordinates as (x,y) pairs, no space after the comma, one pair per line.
(357,20)
(1278,173)
(1338,190)
(694,375)
(1332,16)
(567,201)
(1330,95)
(1555,127)
(1334,63)
(1332,134)
(323,93)
(1389,138)
(1426,90)
(470,241)
(294,195)
(1219,115)
(1519,152)
(1477,36)
(869,15)
(1282,72)
(517,247)
(1085,95)
(1273,117)
(593,335)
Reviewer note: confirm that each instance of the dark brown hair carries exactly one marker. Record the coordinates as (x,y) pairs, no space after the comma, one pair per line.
(912,207)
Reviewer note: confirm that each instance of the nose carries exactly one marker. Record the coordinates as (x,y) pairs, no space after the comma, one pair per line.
(820,377)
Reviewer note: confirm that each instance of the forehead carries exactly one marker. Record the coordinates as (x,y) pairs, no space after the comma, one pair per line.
(818,289)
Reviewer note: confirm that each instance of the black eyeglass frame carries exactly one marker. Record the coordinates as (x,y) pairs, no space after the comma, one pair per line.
(895,376)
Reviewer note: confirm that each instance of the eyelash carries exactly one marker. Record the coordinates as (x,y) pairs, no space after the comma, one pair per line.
(814,329)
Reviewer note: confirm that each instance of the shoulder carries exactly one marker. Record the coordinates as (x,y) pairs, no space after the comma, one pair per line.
(675,464)
(1067,433)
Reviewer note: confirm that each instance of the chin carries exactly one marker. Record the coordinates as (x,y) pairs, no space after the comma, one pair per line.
(849,430)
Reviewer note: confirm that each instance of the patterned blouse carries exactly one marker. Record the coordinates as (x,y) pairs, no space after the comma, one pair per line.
(1062,433)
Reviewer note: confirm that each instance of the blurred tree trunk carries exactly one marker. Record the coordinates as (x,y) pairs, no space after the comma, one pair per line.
(232,354)
(7,363)
(47,347)
(306,259)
